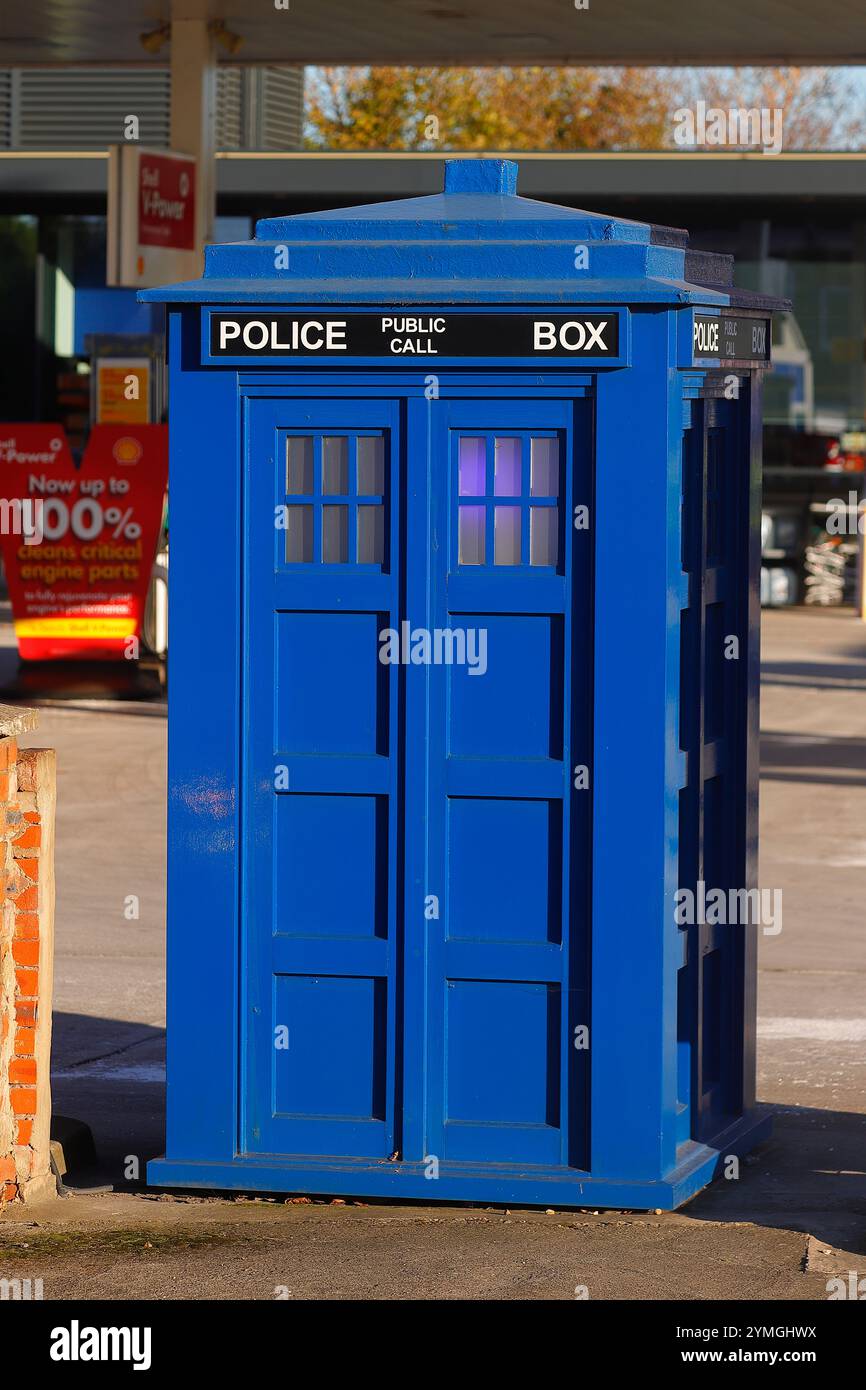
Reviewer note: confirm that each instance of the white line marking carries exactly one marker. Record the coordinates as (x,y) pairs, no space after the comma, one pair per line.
(843,1030)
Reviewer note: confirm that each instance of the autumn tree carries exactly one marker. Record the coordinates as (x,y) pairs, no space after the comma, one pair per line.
(822,108)
(536,108)
(485,108)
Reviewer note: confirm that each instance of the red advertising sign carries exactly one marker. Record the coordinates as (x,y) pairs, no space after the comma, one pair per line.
(166,201)
(78,543)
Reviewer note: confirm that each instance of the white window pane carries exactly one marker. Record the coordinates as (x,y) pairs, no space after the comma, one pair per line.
(472,457)
(299,535)
(335,466)
(506,468)
(544,467)
(506,524)
(371,535)
(471,536)
(371,465)
(299,465)
(544,535)
(335,535)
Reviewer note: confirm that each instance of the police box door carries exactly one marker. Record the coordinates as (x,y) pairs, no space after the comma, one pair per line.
(321,858)
(412,920)
(505,873)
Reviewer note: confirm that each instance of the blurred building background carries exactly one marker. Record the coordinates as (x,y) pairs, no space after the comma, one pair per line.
(795,222)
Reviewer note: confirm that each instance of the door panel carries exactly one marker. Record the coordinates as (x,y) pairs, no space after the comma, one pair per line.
(501,1075)
(320,884)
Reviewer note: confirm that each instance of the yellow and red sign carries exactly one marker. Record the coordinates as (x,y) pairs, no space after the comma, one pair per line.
(79,543)
(122,390)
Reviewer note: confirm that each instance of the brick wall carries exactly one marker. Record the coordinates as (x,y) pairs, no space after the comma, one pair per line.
(27,798)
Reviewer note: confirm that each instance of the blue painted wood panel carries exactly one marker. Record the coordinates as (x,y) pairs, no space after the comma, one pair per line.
(320,921)
(506,957)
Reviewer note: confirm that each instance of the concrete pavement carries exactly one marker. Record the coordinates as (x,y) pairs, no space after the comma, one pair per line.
(797,1215)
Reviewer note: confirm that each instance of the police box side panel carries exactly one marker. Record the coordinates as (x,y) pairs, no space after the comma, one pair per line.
(281,337)
(203,773)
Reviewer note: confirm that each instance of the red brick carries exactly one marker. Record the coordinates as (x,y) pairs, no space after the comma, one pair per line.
(26,925)
(8,753)
(22,1071)
(23,1100)
(4,786)
(28,899)
(30,867)
(31,838)
(24,1132)
(28,983)
(8,1192)
(25,1012)
(32,816)
(25,1042)
(7,1170)
(25,952)
(27,770)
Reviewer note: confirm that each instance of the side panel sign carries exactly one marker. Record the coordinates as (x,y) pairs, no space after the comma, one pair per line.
(731,339)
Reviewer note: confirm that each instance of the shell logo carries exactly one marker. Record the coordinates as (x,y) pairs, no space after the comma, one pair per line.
(127,450)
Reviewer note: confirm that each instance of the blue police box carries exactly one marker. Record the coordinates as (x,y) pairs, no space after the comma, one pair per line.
(463,706)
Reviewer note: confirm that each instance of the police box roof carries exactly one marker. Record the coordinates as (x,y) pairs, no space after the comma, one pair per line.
(476,242)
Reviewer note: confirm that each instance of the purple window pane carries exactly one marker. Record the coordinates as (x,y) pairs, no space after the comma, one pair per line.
(471,535)
(506,530)
(544,535)
(472,457)
(506,468)
(544,467)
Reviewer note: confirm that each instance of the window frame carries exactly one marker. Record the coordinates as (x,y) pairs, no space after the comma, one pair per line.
(352,500)
(490,499)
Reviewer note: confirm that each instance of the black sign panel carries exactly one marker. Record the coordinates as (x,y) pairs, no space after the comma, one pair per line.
(402,334)
(731,338)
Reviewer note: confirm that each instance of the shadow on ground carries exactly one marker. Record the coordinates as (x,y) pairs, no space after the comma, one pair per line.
(111,1075)
(809,1177)
(802,757)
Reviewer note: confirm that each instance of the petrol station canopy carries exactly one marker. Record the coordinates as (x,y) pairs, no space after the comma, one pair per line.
(451,32)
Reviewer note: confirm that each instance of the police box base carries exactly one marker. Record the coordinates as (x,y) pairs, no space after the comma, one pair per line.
(497,1183)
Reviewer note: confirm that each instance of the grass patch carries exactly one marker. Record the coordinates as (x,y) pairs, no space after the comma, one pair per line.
(127,1241)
